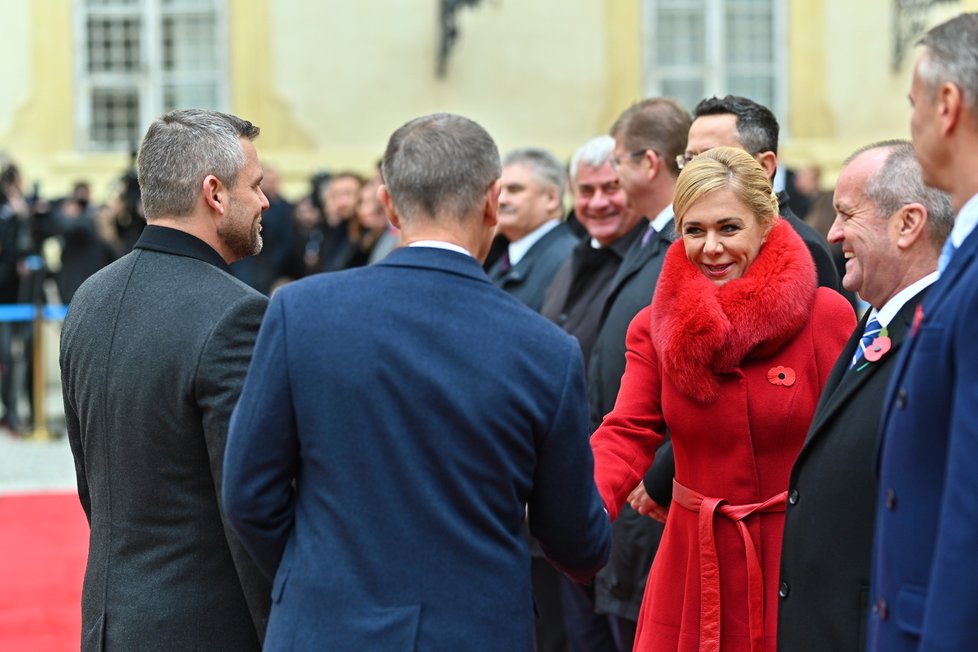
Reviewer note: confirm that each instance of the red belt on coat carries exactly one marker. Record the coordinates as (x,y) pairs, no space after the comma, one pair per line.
(706,507)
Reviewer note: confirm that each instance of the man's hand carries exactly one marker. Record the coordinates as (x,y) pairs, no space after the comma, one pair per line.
(641,502)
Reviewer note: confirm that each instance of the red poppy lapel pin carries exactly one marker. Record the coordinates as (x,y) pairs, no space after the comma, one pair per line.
(879,346)
(783,376)
(918,317)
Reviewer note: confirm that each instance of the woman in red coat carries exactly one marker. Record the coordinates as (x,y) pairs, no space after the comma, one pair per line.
(730,358)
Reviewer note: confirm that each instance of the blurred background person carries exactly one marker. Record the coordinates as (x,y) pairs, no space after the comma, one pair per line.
(83,249)
(530,217)
(649,136)
(573,301)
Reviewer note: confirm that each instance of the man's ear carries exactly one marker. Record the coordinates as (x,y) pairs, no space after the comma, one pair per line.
(384,196)
(554,199)
(768,161)
(492,203)
(214,193)
(950,106)
(911,220)
(656,164)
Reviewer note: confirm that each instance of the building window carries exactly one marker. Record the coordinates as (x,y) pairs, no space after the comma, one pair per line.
(700,48)
(142,58)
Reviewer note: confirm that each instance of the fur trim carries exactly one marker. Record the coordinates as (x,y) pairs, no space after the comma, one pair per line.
(701,330)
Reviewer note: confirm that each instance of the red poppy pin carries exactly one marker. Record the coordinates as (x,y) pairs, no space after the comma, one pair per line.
(878,347)
(784,376)
(918,316)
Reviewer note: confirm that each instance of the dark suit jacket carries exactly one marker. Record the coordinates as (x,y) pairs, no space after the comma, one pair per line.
(828,275)
(620,585)
(924,572)
(420,411)
(153,356)
(828,535)
(528,279)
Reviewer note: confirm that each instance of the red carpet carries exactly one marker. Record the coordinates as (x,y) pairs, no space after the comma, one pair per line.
(43,547)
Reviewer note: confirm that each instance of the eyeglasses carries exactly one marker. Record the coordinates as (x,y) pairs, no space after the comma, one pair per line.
(683,159)
(638,153)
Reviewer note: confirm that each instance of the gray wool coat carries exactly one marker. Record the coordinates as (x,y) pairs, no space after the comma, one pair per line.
(154,351)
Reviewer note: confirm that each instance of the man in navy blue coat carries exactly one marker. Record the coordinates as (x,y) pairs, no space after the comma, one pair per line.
(923,594)
(400,421)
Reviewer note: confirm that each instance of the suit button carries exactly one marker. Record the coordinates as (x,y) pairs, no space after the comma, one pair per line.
(784,590)
(793,497)
(890,499)
(880,609)
(901,399)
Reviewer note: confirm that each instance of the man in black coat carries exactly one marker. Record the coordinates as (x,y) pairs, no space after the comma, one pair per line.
(649,136)
(154,352)
(891,228)
(574,301)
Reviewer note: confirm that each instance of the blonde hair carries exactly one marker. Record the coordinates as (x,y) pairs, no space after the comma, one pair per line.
(731,168)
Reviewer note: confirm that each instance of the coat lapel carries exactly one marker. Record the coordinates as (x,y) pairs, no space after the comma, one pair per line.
(961,261)
(636,258)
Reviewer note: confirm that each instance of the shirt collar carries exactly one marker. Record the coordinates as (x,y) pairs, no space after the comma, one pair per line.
(662,219)
(965,222)
(890,309)
(441,244)
(519,248)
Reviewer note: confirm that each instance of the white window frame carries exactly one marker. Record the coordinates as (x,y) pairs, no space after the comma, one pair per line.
(714,72)
(150,80)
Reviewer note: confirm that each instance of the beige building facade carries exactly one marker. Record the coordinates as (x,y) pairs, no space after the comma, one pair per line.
(329,81)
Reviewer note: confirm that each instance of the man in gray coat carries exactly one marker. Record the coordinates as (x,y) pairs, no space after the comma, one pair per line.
(154,352)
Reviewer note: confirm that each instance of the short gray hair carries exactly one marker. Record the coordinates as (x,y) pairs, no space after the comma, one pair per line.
(899,181)
(594,153)
(439,164)
(951,57)
(180,149)
(546,167)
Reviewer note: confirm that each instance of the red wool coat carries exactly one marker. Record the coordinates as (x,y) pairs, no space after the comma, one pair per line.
(734,373)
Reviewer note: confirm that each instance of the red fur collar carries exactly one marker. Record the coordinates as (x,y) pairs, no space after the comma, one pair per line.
(701,330)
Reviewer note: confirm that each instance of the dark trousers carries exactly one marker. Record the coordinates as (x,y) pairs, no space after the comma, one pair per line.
(587,631)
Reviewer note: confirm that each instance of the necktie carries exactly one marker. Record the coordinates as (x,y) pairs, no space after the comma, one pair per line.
(872,331)
(647,236)
(504,264)
(946,253)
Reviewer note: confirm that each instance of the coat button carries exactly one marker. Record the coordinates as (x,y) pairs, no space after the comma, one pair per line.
(880,609)
(901,399)
(793,497)
(562,318)
(784,590)
(890,499)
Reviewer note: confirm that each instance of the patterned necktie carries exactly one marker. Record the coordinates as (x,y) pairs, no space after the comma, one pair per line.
(872,331)
(946,253)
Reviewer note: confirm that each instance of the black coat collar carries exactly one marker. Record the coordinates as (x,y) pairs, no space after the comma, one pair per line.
(180,243)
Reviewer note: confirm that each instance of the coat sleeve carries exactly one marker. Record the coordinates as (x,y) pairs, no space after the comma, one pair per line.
(564,510)
(220,375)
(625,443)
(952,602)
(263,449)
